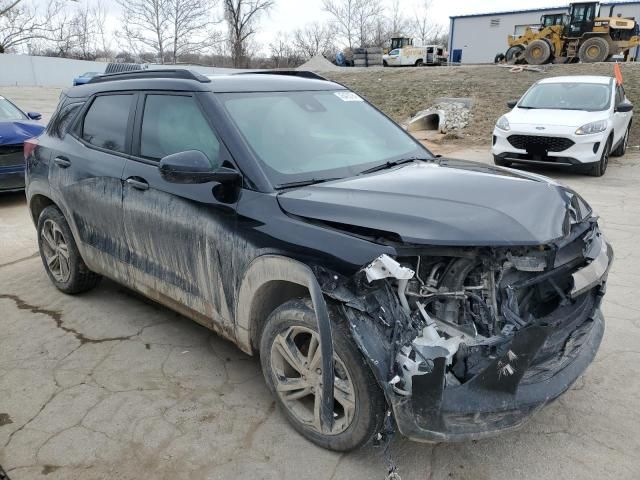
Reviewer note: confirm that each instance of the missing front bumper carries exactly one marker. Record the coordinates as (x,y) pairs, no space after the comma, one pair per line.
(494,401)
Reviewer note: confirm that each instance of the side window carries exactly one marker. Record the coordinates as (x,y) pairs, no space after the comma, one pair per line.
(63,119)
(172,124)
(105,124)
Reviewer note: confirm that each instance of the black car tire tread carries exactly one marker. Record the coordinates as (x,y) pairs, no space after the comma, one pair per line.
(370,401)
(81,279)
(622,148)
(501,162)
(598,42)
(600,167)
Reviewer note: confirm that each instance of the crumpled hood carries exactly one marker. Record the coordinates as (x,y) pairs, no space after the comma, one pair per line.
(560,118)
(16,132)
(454,203)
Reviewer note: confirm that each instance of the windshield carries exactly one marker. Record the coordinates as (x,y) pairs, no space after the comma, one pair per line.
(300,136)
(591,97)
(8,112)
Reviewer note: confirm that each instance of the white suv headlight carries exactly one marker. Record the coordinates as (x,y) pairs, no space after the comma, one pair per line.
(593,127)
(503,123)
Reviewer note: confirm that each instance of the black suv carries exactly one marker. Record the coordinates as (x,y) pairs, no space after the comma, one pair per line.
(288,214)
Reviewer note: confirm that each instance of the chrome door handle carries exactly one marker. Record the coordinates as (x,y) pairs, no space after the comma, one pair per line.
(138,183)
(62,162)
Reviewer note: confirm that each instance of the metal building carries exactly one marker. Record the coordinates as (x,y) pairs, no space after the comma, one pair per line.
(478,38)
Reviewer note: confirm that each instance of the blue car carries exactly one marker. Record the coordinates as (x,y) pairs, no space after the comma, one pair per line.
(84,78)
(16,126)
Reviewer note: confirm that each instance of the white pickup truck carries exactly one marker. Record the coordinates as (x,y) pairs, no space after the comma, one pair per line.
(415,56)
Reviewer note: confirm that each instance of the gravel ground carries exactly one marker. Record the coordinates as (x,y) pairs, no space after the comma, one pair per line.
(401,92)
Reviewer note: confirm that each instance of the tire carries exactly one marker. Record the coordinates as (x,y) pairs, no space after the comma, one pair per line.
(419,63)
(600,167)
(594,49)
(622,148)
(501,162)
(538,52)
(499,58)
(295,319)
(60,256)
(514,54)
(384,63)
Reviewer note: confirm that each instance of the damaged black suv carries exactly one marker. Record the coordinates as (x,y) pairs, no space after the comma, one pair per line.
(289,215)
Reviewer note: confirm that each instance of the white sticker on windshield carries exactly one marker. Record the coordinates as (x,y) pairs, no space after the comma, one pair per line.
(348,96)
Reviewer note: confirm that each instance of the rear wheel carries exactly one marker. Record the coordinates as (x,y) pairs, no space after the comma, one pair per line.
(599,168)
(501,162)
(60,255)
(594,49)
(538,52)
(622,148)
(292,366)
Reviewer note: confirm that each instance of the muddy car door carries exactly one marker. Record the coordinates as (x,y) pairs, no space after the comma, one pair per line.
(179,233)
(86,178)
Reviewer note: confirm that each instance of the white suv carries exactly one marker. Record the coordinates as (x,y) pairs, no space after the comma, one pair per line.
(577,120)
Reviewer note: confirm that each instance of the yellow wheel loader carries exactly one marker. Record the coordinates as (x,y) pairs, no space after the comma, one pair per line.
(581,35)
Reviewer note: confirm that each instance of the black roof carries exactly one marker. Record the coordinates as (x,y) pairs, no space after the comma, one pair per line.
(192,82)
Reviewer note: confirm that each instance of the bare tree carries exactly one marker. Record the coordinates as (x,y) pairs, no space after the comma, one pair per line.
(242,17)
(85,32)
(355,20)
(283,52)
(424,28)
(191,26)
(314,39)
(344,18)
(100,12)
(5,6)
(398,24)
(146,25)
(20,25)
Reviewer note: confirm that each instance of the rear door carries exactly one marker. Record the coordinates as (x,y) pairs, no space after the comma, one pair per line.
(85,176)
(180,235)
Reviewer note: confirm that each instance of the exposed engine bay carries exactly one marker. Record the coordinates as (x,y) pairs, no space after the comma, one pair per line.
(496,319)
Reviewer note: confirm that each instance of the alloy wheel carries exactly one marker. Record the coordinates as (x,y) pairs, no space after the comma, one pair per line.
(296,363)
(56,251)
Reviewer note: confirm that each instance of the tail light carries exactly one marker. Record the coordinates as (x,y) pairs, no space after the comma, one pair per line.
(29,146)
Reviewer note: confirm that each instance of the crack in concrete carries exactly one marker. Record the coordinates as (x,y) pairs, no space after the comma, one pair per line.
(251,433)
(56,316)
(19,260)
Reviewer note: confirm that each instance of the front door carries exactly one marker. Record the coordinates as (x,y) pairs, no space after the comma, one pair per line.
(181,238)
(86,179)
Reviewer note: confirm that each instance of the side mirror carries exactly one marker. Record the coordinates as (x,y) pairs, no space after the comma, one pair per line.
(512,103)
(34,115)
(624,107)
(193,166)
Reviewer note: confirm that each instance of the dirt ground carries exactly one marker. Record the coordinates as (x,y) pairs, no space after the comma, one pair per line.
(108,385)
(401,92)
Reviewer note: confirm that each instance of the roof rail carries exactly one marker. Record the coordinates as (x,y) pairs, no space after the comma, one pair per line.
(290,73)
(147,74)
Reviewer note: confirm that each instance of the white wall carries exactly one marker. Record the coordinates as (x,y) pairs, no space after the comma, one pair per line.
(25,70)
(480,41)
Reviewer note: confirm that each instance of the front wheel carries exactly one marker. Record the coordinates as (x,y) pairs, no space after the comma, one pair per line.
(600,167)
(292,366)
(622,148)
(419,63)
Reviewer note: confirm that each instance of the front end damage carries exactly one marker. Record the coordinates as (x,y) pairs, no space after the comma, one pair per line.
(470,341)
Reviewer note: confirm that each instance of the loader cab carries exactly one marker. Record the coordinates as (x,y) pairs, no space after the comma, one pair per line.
(552,19)
(582,18)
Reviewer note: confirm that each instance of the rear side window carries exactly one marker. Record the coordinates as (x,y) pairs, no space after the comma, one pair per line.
(105,124)
(63,119)
(173,124)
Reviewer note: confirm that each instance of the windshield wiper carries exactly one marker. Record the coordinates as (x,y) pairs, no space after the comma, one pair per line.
(304,183)
(393,163)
